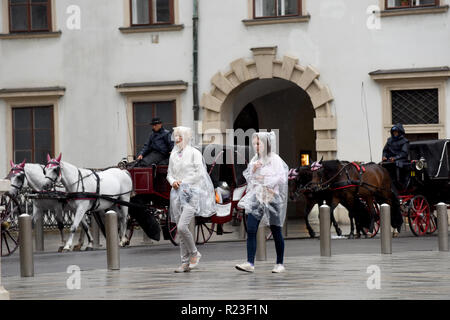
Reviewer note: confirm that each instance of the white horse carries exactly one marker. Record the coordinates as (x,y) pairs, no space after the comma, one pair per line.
(114,183)
(32,175)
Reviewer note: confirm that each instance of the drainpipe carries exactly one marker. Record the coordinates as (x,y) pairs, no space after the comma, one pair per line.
(196,107)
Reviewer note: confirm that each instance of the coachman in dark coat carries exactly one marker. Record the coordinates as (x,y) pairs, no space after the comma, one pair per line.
(158,147)
(396,151)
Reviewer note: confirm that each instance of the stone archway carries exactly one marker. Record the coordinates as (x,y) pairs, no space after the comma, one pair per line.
(264,65)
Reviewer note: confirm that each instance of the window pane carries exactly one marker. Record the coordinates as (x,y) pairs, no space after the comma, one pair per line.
(141,136)
(19,20)
(425,2)
(22,118)
(265,8)
(43,139)
(19,156)
(140,11)
(165,111)
(40,155)
(18,1)
(39,19)
(43,118)
(143,113)
(22,139)
(415,106)
(161,11)
(287,7)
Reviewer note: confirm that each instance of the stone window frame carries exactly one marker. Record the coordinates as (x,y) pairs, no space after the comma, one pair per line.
(252,21)
(150,92)
(35,97)
(129,28)
(413,79)
(7,34)
(389,12)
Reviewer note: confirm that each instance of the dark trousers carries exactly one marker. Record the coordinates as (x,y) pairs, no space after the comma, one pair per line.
(153,157)
(252,228)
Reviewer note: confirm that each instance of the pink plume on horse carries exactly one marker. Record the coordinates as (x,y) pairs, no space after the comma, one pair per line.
(22,165)
(316,166)
(59,157)
(48,158)
(12,163)
(293,173)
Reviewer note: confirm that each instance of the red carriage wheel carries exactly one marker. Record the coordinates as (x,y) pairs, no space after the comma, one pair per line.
(433,224)
(172,230)
(419,215)
(9,236)
(204,230)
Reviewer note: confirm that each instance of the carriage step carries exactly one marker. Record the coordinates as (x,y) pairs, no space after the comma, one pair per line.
(219,229)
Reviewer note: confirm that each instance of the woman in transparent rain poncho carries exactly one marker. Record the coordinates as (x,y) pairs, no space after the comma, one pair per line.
(266,197)
(192,193)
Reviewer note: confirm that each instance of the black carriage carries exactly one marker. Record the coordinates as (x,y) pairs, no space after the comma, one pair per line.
(423,182)
(150,204)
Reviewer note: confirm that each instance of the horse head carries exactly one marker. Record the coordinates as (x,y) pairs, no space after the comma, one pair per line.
(17,177)
(317,177)
(52,171)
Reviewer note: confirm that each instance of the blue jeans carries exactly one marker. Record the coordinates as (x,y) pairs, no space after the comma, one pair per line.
(252,228)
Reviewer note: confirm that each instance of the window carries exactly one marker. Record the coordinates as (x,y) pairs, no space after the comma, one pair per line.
(150,12)
(144,112)
(32,133)
(276,8)
(29,15)
(415,106)
(395,4)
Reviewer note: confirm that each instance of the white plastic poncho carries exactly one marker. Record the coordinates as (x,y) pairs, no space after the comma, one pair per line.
(186,164)
(267,182)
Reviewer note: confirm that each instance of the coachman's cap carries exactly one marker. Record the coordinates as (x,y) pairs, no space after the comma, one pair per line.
(155,121)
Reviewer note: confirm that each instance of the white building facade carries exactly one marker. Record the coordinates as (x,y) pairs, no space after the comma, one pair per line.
(85,77)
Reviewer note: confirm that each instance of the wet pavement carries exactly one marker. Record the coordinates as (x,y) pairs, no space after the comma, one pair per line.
(356,270)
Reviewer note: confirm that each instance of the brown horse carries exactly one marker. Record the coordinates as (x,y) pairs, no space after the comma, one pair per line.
(348,182)
(299,182)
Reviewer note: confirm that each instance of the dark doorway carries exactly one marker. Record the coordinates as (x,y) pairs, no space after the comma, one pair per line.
(246,120)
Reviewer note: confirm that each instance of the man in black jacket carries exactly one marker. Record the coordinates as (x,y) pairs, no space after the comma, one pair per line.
(396,151)
(158,147)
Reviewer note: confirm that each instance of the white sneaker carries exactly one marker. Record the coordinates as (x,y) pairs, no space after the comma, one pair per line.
(278,268)
(193,262)
(183,268)
(247,267)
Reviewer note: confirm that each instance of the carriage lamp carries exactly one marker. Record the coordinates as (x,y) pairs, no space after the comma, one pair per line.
(421,164)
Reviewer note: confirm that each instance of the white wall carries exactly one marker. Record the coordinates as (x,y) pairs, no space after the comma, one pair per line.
(91,61)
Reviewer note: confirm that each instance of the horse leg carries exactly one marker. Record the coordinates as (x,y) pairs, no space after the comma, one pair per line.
(80,243)
(351,235)
(333,221)
(123,210)
(79,215)
(60,221)
(308,209)
(90,245)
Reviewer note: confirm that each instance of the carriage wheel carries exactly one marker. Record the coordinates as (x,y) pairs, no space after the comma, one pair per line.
(9,236)
(204,230)
(172,230)
(433,224)
(419,215)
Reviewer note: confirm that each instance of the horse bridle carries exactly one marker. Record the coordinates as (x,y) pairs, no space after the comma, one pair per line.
(17,170)
(56,164)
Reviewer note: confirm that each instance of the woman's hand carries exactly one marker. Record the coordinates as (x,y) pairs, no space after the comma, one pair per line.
(176,185)
(257,165)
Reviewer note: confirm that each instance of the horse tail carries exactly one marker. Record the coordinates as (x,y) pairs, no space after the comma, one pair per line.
(396,215)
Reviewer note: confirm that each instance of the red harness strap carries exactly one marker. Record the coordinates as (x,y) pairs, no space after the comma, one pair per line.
(358,167)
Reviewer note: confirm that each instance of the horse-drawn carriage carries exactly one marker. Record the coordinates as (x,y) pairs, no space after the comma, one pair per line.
(225,165)
(146,198)
(422,183)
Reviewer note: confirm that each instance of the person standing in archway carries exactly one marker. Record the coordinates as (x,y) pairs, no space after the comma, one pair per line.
(266,198)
